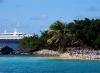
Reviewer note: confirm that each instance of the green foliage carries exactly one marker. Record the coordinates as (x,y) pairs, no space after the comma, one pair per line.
(87,30)
(58,25)
(30,42)
(43,39)
(61,35)
(96,43)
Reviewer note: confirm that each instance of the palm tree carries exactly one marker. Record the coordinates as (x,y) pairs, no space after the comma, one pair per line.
(59,35)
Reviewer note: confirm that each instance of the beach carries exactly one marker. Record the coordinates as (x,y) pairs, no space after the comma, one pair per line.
(69,55)
(79,56)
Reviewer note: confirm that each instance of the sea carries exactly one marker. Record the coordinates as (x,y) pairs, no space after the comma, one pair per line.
(30,64)
(11,43)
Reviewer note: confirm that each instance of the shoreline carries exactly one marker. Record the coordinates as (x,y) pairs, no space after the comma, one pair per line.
(74,55)
(68,57)
(79,56)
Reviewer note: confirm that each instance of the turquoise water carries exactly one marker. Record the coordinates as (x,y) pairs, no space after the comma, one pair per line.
(45,65)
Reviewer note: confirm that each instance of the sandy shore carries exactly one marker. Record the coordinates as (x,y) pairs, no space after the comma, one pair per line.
(57,55)
(79,56)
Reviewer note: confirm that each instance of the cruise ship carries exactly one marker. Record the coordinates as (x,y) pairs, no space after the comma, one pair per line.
(12,36)
(11,39)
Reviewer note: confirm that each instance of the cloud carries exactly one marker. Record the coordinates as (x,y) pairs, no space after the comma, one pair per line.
(93,9)
(40,17)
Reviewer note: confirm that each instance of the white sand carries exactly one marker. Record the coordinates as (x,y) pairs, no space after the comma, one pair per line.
(80,56)
(57,55)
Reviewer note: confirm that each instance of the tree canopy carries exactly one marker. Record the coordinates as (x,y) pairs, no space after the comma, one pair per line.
(61,35)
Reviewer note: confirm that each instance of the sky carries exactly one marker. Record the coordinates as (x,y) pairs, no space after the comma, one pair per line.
(33,16)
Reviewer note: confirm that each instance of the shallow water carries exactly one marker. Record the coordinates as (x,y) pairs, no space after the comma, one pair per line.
(46,65)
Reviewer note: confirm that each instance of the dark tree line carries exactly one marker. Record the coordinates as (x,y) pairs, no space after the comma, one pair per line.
(88,31)
(61,35)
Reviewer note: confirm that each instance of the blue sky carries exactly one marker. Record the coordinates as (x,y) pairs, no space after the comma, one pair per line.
(32,16)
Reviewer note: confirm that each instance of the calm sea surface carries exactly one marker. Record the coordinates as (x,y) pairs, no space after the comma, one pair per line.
(11,43)
(46,65)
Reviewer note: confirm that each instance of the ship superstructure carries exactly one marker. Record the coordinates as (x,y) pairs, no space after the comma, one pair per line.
(12,36)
